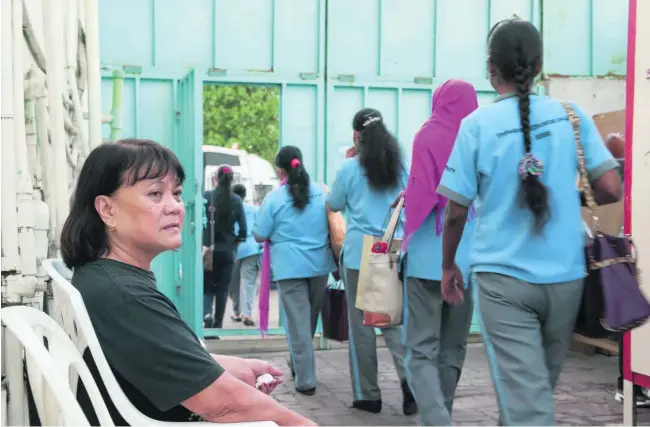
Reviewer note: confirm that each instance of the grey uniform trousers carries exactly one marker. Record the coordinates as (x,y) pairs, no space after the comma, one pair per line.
(363,345)
(435,336)
(243,286)
(302,300)
(527,330)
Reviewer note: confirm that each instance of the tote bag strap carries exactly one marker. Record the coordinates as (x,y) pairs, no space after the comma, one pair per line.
(592,207)
(389,232)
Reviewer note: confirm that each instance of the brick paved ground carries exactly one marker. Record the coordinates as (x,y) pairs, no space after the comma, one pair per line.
(584,396)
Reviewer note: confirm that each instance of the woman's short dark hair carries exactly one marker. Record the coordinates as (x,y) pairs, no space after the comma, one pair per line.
(379,152)
(289,158)
(240,190)
(107,168)
(515,49)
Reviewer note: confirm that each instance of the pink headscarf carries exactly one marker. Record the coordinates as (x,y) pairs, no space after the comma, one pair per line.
(452,102)
(265,284)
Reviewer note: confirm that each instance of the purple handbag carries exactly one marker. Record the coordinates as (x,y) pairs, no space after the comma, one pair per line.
(612,300)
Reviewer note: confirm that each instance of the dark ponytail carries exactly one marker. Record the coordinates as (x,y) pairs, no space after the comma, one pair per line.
(379,152)
(289,158)
(223,204)
(515,48)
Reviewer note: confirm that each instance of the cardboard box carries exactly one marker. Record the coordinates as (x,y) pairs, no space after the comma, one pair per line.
(610,216)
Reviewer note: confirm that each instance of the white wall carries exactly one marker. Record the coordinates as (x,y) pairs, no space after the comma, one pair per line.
(641,180)
(594,95)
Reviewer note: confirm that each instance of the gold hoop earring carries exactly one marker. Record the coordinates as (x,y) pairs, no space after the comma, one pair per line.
(112,228)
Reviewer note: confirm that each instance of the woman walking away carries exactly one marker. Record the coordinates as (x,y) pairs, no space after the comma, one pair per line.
(434,332)
(517,157)
(247,267)
(365,187)
(293,220)
(227,209)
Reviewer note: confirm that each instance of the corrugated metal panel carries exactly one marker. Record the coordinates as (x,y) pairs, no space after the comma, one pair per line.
(385,55)
(585,37)
(420,37)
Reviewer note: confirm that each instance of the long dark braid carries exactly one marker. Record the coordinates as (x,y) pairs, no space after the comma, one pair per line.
(515,48)
(534,193)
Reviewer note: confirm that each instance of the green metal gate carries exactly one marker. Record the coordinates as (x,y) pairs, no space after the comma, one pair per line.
(329,58)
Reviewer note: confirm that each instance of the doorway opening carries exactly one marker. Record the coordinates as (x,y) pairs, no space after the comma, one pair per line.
(241,129)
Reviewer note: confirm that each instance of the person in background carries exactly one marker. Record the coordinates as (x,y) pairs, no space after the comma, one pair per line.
(243,287)
(517,158)
(293,219)
(127,208)
(228,210)
(365,187)
(434,332)
(616,144)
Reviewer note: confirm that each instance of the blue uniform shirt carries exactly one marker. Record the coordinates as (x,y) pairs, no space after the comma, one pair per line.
(483,166)
(424,259)
(250,247)
(299,240)
(366,209)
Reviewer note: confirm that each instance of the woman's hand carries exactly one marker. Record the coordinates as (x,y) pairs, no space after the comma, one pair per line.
(247,370)
(451,285)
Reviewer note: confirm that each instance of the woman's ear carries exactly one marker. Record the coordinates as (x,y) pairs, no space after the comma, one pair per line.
(355,136)
(105,208)
(492,70)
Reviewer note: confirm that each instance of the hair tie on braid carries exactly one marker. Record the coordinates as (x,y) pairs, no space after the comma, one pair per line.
(530,165)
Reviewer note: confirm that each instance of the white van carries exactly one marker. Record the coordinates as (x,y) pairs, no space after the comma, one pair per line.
(255,173)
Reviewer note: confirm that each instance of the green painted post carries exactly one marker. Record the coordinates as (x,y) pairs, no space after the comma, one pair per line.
(116,111)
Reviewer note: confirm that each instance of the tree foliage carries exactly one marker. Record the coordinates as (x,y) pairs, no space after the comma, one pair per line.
(244,115)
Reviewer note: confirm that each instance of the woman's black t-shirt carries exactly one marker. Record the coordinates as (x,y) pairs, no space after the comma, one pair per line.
(157,359)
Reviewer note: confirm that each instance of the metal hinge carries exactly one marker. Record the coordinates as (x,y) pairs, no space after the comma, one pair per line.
(423,80)
(216,72)
(132,69)
(308,76)
(348,78)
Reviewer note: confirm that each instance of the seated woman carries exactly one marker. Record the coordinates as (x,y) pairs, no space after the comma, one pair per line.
(127,209)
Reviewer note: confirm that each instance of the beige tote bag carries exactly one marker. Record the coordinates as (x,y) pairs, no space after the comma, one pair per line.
(379,290)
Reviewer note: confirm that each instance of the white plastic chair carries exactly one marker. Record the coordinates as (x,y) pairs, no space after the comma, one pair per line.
(49,368)
(70,312)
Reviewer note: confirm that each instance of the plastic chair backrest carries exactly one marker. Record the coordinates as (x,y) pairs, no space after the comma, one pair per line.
(49,367)
(70,312)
